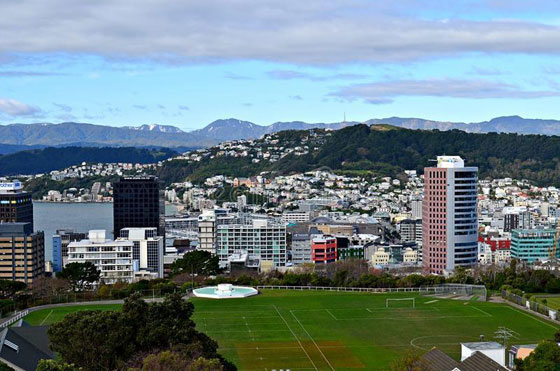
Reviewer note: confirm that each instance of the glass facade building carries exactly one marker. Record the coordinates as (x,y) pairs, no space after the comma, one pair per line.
(138,203)
(531,245)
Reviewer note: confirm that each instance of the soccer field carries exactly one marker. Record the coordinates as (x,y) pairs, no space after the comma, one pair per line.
(49,316)
(344,331)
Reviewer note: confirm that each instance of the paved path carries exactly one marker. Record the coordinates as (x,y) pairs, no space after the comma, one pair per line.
(71,304)
(499,299)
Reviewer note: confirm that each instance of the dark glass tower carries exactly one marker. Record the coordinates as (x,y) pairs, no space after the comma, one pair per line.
(138,203)
(15,205)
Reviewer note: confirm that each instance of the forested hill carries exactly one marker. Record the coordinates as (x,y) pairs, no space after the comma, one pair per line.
(535,157)
(48,159)
(388,150)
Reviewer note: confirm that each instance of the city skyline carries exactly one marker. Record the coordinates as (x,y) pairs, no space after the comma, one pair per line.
(187,64)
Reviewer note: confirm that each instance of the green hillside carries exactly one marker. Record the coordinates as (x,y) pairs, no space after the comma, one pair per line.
(389,150)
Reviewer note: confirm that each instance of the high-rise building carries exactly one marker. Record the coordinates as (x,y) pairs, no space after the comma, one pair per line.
(112,258)
(22,253)
(449,215)
(138,203)
(15,204)
(61,240)
(148,248)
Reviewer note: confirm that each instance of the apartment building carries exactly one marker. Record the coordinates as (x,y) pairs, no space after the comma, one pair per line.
(113,258)
(262,238)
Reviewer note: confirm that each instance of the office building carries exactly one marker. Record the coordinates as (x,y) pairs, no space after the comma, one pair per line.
(410,230)
(61,240)
(289,217)
(113,258)
(264,239)
(207,222)
(15,205)
(138,203)
(416,209)
(147,250)
(516,218)
(449,216)
(22,253)
(301,248)
(531,245)
(350,252)
(324,249)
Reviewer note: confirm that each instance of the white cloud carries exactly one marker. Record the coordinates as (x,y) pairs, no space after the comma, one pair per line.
(300,32)
(15,108)
(384,92)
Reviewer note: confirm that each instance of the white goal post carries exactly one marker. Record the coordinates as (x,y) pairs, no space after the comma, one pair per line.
(388,300)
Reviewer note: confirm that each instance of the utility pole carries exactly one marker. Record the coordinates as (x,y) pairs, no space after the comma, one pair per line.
(504,334)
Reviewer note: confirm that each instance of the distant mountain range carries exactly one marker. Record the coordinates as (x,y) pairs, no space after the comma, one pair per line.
(15,137)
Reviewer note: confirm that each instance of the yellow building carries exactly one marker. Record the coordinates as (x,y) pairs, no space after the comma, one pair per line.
(22,253)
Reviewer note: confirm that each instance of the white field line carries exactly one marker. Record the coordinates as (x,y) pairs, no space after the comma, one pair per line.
(293,333)
(533,317)
(332,315)
(407,318)
(313,340)
(431,301)
(44,319)
(480,310)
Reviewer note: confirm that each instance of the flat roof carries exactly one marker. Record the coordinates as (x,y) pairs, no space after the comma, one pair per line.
(483,345)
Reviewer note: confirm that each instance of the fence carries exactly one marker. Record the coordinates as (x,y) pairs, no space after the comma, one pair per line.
(77,297)
(446,289)
(19,316)
(532,305)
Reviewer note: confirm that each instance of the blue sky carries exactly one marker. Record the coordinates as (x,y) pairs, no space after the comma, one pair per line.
(187,63)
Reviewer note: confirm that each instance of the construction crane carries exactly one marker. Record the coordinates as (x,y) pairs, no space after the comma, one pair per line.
(554,248)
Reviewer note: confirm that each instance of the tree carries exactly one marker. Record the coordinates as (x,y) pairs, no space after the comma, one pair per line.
(48,286)
(80,275)
(98,340)
(52,365)
(8,288)
(197,262)
(94,340)
(545,357)
(411,361)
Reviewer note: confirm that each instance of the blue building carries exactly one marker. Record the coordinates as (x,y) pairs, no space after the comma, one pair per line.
(61,240)
(57,253)
(531,245)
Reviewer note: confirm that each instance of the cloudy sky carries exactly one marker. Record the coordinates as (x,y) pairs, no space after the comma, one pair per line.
(189,62)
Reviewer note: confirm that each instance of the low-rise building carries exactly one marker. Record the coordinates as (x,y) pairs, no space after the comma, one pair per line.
(531,245)
(323,249)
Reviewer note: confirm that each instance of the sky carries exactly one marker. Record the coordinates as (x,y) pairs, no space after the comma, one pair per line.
(189,62)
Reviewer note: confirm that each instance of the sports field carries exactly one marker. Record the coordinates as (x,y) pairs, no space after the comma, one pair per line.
(49,316)
(322,330)
(345,331)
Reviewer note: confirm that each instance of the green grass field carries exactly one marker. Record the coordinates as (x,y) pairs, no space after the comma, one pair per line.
(49,316)
(552,302)
(346,331)
(341,331)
